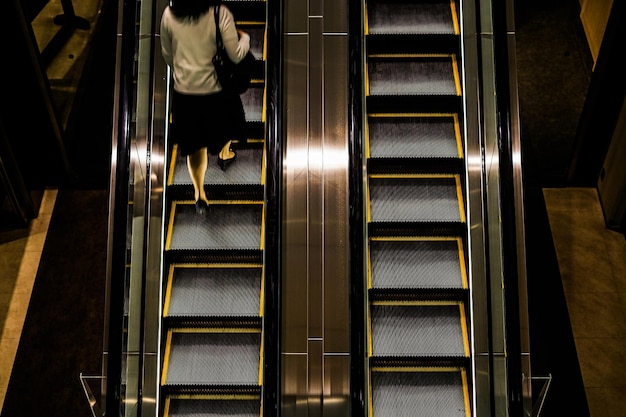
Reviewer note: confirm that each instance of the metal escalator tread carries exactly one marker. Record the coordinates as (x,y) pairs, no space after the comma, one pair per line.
(402,17)
(252,101)
(418,331)
(413,136)
(227,226)
(205,359)
(220,290)
(424,199)
(417,264)
(256,30)
(247,169)
(211,408)
(412,75)
(420,394)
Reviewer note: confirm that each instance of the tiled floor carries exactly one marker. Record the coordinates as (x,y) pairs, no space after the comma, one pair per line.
(20,252)
(592,262)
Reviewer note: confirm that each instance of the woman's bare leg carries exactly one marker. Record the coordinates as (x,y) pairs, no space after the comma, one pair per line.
(197,164)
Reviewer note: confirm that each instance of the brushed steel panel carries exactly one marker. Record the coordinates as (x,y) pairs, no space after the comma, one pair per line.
(316,8)
(315,391)
(294,381)
(296,14)
(335,146)
(336,386)
(295,233)
(335,16)
(316,157)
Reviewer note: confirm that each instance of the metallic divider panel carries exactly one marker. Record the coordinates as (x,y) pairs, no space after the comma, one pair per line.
(315,278)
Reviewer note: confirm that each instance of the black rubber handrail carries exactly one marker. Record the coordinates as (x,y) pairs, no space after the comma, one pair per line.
(273,204)
(119,196)
(508,208)
(358,354)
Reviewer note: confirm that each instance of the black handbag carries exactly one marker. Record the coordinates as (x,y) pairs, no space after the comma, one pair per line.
(231,76)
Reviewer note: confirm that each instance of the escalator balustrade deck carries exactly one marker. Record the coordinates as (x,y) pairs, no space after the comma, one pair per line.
(418,292)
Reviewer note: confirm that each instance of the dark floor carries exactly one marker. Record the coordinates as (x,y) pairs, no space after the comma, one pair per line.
(553,71)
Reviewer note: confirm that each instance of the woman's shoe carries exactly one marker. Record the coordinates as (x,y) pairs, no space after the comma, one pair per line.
(201,208)
(225,163)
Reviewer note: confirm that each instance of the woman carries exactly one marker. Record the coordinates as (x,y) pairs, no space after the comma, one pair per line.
(205,119)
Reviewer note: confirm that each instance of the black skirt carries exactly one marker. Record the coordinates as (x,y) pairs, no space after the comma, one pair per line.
(208,120)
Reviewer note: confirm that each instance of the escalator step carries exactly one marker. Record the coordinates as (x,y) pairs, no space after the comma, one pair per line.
(234,226)
(212,408)
(419,394)
(403,17)
(407,199)
(195,291)
(247,169)
(413,136)
(212,359)
(257,37)
(252,101)
(413,75)
(419,331)
(417,264)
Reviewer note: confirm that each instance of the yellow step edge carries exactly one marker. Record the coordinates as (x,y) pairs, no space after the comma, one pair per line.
(215,330)
(415,303)
(173,158)
(455,19)
(210,397)
(413,369)
(412,55)
(411,176)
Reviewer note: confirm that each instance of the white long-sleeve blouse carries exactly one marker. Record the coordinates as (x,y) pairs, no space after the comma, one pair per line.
(188,48)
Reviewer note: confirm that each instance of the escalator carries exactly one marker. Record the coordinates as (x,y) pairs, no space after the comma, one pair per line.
(418,315)
(213,267)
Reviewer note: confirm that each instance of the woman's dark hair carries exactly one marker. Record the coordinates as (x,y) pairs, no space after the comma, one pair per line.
(191,9)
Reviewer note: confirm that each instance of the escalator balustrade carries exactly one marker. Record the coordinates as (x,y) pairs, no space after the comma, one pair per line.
(418,318)
(212,325)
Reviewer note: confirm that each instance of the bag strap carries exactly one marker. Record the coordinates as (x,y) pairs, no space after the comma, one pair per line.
(218,35)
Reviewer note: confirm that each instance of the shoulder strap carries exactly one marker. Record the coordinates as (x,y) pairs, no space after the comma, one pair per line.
(218,35)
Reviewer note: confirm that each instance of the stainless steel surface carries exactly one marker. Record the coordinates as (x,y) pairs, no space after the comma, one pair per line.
(335,195)
(145,192)
(315,282)
(519,214)
(475,188)
(295,239)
